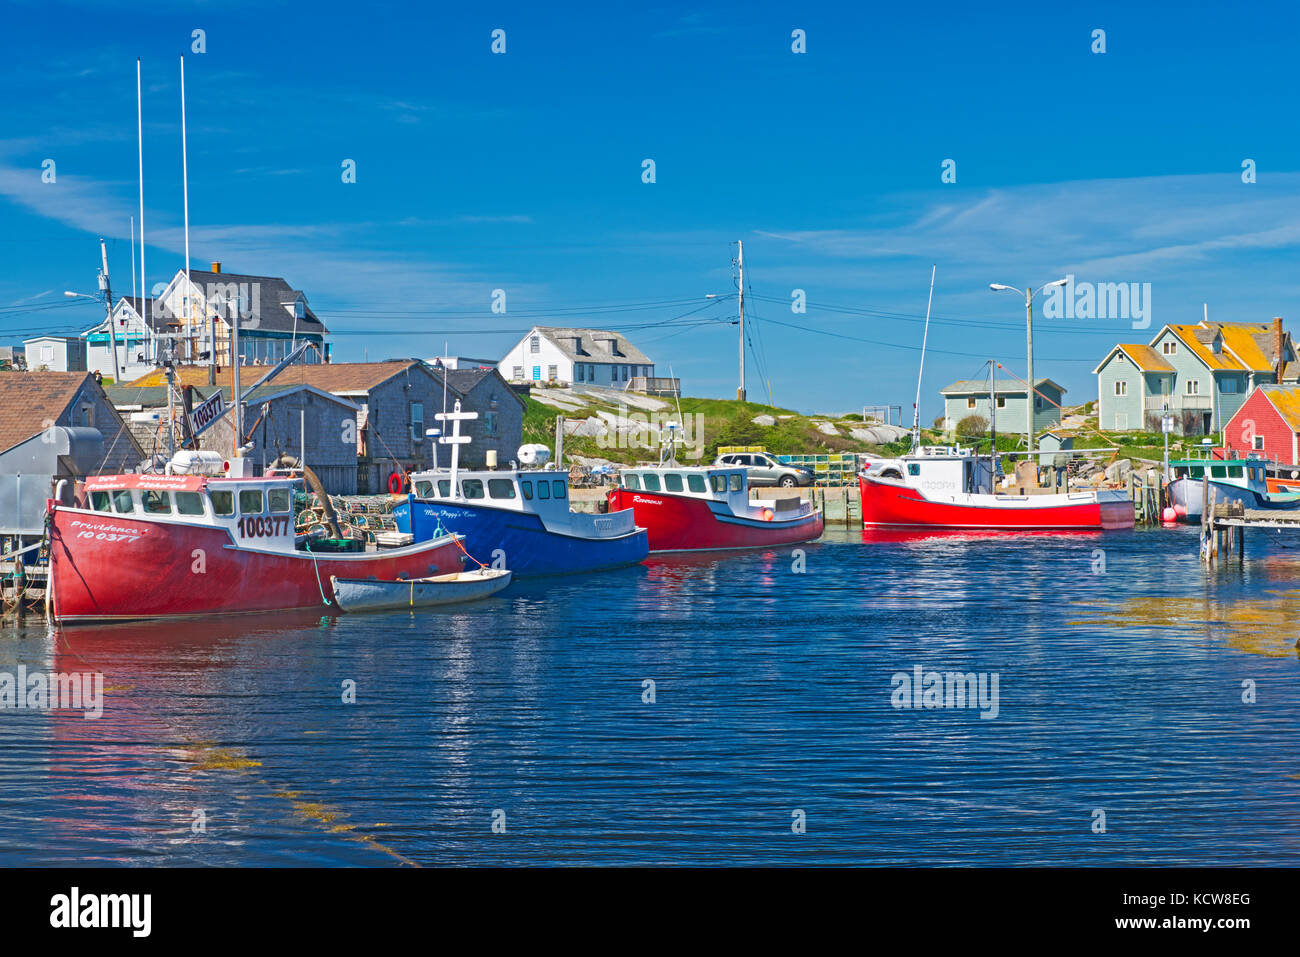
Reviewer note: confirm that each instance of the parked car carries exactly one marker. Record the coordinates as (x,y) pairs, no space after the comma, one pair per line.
(765,470)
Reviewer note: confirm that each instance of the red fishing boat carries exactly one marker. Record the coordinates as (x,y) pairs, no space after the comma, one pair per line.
(161,546)
(950,487)
(696,509)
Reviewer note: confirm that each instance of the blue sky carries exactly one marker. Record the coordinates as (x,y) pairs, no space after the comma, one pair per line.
(523,172)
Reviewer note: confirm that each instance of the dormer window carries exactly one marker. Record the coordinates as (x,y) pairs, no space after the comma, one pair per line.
(299,308)
(1169,347)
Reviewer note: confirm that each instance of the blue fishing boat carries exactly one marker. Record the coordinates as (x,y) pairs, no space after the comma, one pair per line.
(518,518)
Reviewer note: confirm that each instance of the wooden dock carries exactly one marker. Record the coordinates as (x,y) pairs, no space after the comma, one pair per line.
(1223,525)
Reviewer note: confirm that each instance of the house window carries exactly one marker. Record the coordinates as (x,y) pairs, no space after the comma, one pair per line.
(417,421)
(47,353)
(299,309)
(535,344)
(1228,386)
(490,423)
(519,372)
(1002,402)
(1121,388)
(582,373)
(1169,347)
(970,403)
(552,372)
(1259,443)
(1193,386)
(626,372)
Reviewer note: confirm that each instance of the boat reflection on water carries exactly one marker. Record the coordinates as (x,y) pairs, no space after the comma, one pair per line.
(907,536)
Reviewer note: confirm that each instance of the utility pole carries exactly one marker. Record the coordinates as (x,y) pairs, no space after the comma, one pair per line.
(740,259)
(107,290)
(1033,395)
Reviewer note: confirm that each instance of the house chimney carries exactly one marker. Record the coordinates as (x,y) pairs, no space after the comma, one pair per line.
(216,267)
(1278,357)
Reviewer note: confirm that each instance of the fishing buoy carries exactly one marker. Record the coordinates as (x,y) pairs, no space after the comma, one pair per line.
(767,514)
(1169,515)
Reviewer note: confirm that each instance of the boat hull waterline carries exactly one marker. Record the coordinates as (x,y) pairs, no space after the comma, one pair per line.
(678,523)
(520,541)
(105,567)
(890,503)
(358,594)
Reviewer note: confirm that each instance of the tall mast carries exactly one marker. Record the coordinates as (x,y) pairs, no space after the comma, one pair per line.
(185,185)
(925,336)
(740,260)
(139,133)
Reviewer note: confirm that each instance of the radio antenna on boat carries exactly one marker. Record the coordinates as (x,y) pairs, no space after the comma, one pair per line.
(916,406)
(187,299)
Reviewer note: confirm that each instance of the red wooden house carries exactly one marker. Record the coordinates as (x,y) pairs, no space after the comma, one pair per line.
(1268,423)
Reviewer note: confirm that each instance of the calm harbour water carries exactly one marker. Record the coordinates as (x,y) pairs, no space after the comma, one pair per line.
(1120,665)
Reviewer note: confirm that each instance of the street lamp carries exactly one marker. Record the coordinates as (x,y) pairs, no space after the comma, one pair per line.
(112,333)
(1032,394)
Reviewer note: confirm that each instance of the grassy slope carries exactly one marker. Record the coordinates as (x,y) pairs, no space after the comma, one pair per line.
(726,422)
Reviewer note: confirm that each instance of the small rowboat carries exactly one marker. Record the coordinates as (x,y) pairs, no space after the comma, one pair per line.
(369,594)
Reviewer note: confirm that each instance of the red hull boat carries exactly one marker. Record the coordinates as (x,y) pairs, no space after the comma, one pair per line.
(942,487)
(700,509)
(162,546)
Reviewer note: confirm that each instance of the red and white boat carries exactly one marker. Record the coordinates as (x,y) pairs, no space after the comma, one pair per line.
(161,546)
(951,487)
(697,509)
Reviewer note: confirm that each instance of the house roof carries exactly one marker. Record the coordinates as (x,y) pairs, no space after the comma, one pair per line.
(1247,346)
(589,350)
(340,378)
(465,381)
(155,396)
(1007,386)
(1286,399)
(1142,356)
(30,400)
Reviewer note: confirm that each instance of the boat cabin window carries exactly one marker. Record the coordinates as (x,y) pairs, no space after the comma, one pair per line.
(223,501)
(1217,471)
(444,488)
(527,488)
(250,501)
(630,480)
(100,502)
(1234,471)
(651,482)
(501,488)
(673,482)
(280,500)
(156,503)
(1180,472)
(719,483)
(123,504)
(543,489)
(737,482)
(558,487)
(913,468)
(424,489)
(189,503)
(695,483)
(472,488)
(1257,474)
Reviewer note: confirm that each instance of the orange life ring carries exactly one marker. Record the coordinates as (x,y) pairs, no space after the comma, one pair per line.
(396,481)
